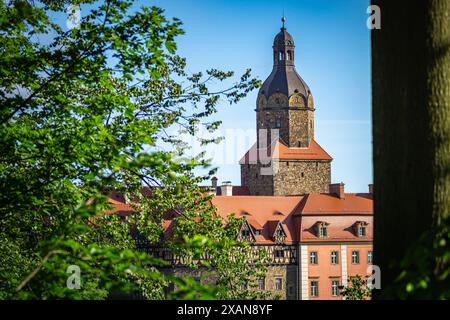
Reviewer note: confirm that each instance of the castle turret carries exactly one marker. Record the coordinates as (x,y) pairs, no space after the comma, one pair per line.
(285,101)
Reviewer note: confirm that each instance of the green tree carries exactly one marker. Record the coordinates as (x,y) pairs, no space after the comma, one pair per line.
(92,109)
(411,133)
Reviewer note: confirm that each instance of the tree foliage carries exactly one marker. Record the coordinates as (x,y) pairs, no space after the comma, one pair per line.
(357,290)
(425,268)
(91,109)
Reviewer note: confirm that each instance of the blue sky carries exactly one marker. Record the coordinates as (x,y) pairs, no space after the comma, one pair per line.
(332,56)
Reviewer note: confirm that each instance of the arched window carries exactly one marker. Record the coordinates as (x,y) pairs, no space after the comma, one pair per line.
(289,55)
(280,55)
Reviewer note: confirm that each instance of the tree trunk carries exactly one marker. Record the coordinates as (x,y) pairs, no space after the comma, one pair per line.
(411,125)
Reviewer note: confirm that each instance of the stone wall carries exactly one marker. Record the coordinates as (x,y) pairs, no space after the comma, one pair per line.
(291,178)
(300,177)
(301,127)
(258,184)
(288,274)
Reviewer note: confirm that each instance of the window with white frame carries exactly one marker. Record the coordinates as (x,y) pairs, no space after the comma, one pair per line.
(334,257)
(313,257)
(369,256)
(322,229)
(361,228)
(334,288)
(314,288)
(355,257)
(362,231)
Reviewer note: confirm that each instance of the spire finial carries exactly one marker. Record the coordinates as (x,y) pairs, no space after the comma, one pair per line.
(283,20)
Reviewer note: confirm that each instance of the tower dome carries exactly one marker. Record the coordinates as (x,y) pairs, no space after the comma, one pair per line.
(284,78)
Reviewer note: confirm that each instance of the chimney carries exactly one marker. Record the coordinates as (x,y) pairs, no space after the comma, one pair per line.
(214,184)
(338,189)
(371,188)
(226,188)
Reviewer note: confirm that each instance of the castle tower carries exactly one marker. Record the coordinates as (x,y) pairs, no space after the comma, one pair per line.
(284,100)
(285,126)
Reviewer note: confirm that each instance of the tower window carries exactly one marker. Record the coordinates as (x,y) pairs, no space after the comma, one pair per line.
(277,122)
(289,55)
(302,174)
(281,55)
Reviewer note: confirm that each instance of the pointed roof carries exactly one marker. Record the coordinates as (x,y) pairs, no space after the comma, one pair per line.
(283,152)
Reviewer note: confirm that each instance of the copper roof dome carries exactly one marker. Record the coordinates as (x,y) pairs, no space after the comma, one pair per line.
(284,78)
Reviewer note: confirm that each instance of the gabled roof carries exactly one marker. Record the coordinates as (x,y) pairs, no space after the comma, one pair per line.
(262,209)
(283,152)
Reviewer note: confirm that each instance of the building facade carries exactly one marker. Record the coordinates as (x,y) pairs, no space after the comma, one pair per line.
(316,235)
(287,177)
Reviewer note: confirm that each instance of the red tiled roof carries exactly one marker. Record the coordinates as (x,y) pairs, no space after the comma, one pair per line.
(252,222)
(263,210)
(299,215)
(340,228)
(283,152)
(322,203)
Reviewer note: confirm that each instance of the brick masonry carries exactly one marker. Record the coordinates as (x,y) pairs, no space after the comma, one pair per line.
(290,178)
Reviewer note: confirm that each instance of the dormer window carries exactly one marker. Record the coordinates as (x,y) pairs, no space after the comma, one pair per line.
(322,229)
(361,229)
(257,232)
(279,235)
(245,233)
